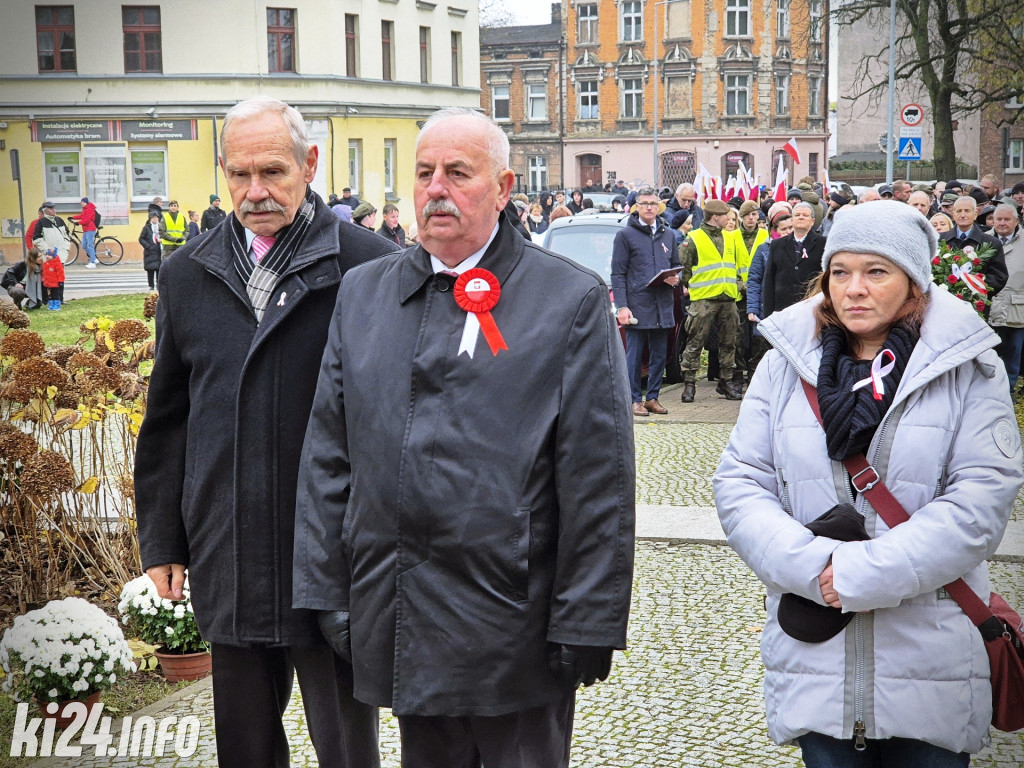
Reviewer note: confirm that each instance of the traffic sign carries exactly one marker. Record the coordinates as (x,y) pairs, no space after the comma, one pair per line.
(906,131)
(912,114)
(910,148)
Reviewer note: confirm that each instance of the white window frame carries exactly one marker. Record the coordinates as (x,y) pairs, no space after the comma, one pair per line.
(536,101)
(145,197)
(538,170)
(782,19)
(734,89)
(390,149)
(816,13)
(1015,156)
(586,24)
(591,94)
(355,165)
(814,96)
(500,93)
(782,83)
(737,18)
(631,105)
(631,25)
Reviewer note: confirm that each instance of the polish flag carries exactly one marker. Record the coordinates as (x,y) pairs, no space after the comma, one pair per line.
(780,182)
(828,183)
(791,150)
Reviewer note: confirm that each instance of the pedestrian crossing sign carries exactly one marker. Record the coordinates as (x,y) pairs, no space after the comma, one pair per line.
(910,148)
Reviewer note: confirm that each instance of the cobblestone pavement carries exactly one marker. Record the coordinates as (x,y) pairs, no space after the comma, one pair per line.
(675,463)
(686,693)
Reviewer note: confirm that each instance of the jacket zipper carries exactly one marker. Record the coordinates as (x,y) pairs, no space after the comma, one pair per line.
(859,728)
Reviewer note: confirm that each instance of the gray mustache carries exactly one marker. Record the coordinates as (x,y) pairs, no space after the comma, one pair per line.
(441,206)
(263,206)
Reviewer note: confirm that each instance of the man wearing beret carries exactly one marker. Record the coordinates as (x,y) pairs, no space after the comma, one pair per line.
(213,215)
(711,280)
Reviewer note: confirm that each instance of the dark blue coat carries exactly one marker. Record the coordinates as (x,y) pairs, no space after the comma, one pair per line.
(636,258)
(218,452)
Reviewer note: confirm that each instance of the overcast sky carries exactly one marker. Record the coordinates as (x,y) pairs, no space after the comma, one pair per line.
(531,11)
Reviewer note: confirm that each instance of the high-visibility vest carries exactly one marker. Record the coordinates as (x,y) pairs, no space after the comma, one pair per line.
(743,256)
(715,273)
(174,229)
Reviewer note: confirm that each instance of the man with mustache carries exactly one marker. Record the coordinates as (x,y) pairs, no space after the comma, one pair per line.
(465,511)
(241,325)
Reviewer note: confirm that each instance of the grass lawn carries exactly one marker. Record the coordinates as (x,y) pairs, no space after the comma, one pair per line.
(62,327)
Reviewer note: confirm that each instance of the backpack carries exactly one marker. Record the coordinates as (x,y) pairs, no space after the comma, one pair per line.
(99,218)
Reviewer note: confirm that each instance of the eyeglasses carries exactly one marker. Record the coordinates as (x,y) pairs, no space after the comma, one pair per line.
(647,205)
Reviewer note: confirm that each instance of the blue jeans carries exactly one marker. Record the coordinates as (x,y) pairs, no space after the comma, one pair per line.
(656,339)
(1011,341)
(825,752)
(89,243)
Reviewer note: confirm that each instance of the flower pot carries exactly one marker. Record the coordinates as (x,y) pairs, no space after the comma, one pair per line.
(184,666)
(62,721)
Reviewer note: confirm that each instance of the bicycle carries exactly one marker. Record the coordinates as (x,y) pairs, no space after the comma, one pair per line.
(109,250)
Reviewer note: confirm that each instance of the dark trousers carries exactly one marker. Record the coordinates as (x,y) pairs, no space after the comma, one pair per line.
(655,339)
(1011,343)
(251,690)
(54,294)
(152,275)
(824,752)
(531,738)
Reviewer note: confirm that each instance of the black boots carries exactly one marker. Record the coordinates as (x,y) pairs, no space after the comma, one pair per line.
(731,389)
(689,390)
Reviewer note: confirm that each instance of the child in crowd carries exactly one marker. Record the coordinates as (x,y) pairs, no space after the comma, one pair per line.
(149,239)
(53,279)
(193,225)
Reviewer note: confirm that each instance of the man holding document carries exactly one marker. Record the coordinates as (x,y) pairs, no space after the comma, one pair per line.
(645,268)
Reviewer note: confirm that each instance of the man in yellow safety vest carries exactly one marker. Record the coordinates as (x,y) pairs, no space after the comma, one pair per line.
(749,237)
(172,229)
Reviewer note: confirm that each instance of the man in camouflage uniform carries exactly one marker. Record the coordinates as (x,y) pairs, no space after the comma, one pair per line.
(711,281)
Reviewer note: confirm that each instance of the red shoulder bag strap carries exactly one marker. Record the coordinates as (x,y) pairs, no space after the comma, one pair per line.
(865,480)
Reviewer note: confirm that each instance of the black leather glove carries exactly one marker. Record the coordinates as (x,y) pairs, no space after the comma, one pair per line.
(334,625)
(576,664)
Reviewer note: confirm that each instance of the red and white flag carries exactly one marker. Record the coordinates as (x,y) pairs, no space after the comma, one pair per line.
(780,182)
(791,150)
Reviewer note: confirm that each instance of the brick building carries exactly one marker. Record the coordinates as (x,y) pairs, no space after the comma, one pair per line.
(522,86)
(1002,144)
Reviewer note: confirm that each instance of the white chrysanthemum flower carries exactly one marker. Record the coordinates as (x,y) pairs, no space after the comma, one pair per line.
(169,630)
(52,693)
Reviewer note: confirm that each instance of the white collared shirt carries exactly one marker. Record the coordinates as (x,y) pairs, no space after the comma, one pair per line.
(466,264)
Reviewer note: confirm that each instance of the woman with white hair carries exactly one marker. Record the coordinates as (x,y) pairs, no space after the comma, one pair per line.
(868,660)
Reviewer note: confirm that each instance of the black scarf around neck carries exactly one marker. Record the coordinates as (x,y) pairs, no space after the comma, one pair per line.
(261,279)
(851,416)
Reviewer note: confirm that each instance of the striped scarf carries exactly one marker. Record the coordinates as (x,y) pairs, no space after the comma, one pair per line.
(261,279)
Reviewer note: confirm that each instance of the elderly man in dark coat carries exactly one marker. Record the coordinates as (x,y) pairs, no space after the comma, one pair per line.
(467,528)
(642,251)
(967,232)
(241,324)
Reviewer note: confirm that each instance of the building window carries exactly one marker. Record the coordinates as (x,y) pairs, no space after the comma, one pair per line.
(142,47)
(632,21)
(586,23)
(814,96)
(812,165)
(355,165)
(149,174)
(389,166)
(456,58)
(387,50)
(587,90)
(538,173)
(55,38)
(782,19)
(351,45)
(536,101)
(678,97)
(737,18)
(816,25)
(737,95)
(632,97)
(499,102)
(1015,156)
(782,94)
(62,175)
(281,39)
(424,54)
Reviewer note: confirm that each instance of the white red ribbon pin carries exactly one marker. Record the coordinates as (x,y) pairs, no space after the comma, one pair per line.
(878,371)
(477,292)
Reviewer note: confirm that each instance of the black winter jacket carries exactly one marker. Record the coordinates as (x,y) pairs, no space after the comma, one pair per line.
(218,452)
(636,258)
(788,273)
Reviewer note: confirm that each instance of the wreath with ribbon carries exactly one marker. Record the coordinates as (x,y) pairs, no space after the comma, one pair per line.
(961,272)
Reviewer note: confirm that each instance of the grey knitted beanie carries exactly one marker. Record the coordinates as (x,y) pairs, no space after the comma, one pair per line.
(887,228)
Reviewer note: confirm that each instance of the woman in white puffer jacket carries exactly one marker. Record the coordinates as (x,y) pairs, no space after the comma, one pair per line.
(906,682)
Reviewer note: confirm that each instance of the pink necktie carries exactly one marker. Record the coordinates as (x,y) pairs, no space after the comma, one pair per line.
(260,245)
